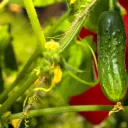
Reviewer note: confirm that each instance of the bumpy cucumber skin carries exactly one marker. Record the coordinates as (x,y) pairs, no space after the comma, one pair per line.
(111,55)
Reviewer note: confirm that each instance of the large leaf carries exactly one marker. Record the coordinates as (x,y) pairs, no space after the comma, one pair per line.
(92,20)
(79,57)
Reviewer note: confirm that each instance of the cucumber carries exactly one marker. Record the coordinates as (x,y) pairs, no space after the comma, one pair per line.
(111,55)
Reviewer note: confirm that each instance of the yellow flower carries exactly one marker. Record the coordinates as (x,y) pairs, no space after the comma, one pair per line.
(52,45)
(36,82)
(72,1)
(15,122)
(57,75)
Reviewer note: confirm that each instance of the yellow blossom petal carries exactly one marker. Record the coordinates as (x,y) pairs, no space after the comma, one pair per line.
(52,45)
(36,82)
(57,75)
(72,1)
(15,122)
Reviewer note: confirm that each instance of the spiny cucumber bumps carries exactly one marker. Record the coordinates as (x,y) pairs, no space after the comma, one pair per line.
(111,55)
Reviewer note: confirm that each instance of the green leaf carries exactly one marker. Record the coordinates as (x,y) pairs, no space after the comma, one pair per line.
(71,68)
(80,58)
(76,26)
(92,20)
(90,84)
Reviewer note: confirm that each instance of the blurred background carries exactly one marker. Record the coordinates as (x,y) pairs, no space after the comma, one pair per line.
(17,43)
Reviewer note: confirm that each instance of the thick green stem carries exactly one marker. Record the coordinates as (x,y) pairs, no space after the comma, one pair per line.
(55,110)
(22,74)
(111,5)
(13,97)
(35,22)
(57,24)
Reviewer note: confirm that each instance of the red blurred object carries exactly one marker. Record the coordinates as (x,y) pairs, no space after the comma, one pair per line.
(93,96)
(124,3)
(85,32)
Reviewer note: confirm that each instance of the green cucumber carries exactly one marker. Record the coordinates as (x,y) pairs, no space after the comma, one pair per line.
(111,55)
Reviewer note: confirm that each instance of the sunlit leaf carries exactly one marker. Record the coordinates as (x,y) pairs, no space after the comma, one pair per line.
(79,58)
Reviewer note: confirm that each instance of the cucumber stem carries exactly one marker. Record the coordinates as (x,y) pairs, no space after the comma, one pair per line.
(111,5)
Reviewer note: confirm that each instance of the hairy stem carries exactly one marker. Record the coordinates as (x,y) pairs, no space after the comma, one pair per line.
(111,5)
(55,110)
(27,105)
(75,27)
(35,23)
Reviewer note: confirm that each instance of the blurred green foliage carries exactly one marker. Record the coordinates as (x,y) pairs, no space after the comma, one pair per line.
(21,32)
(37,3)
(24,43)
(80,58)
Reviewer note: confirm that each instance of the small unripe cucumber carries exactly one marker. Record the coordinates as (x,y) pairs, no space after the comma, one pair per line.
(111,55)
